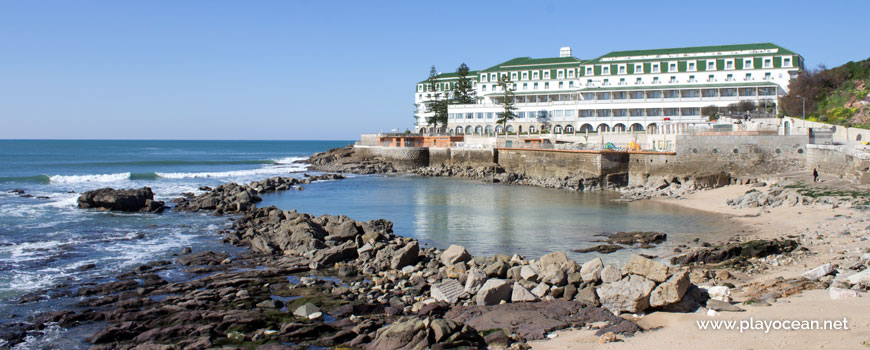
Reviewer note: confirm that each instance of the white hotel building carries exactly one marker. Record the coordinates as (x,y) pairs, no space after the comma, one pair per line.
(619,91)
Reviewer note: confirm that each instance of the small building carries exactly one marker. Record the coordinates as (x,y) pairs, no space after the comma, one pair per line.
(418,140)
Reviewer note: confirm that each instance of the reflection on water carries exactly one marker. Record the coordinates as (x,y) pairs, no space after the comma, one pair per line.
(495,219)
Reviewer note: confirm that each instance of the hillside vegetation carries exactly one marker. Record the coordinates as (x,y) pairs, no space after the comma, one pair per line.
(837,95)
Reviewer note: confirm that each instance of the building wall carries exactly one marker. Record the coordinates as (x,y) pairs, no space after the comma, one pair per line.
(561,164)
(835,161)
(797,126)
(739,156)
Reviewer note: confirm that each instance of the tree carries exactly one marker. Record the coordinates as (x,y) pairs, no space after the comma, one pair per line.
(462,91)
(711,112)
(435,104)
(505,83)
(746,106)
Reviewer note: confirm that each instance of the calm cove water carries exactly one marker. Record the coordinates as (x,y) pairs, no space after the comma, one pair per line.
(45,241)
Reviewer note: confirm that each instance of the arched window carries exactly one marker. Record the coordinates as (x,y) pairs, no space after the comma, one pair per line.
(569,129)
(478,130)
(489,129)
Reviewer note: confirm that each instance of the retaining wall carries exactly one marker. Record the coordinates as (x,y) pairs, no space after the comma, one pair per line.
(739,156)
(401,157)
(562,163)
(835,161)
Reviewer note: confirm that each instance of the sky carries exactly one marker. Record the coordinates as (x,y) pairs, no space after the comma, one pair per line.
(323,70)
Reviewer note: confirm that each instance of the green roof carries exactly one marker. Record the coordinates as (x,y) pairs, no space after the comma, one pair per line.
(653,87)
(522,63)
(634,55)
(472,74)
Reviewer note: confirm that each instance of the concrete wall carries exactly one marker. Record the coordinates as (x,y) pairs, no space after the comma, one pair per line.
(739,156)
(842,134)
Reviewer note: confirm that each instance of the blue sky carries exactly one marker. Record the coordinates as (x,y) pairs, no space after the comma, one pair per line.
(333,69)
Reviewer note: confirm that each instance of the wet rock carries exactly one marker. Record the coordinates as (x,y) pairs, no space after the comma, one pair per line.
(737,251)
(117,333)
(132,200)
(306,310)
(601,248)
(637,237)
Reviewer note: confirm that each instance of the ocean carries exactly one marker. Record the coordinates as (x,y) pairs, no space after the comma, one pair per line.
(46,242)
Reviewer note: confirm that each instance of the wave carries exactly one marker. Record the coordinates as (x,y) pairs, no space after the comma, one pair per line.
(178,162)
(235,173)
(43,179)
(68,179)
(289,160)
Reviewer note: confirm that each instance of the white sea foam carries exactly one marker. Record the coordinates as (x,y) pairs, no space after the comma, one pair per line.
(72,179)
(277,170)
(290,160)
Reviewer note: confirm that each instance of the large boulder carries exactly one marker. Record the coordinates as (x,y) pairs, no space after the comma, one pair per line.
(610,274)
(819,272)
(648,268)
(554,259)
(493,292)
(630,294)
(671,291)
(454,254)
(448,291)
(132,200)
(424,333)
(591,270)
(407,255)
(521,294)
(474,280)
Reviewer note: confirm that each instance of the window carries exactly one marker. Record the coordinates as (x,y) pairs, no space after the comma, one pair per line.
(513,76)
(558,113)
(479,115)
(748,77)
(561,74)
(672,67)
(605,82)
(655,67)
(525,86)
(514,87)
(547,85)
(535,75)
(521,115)
(571,73)
(569,113)
(561,84)
(469,115)
(655,80)
(483,77)
(747,63)
(730,77)
(483,88)
(729,64)
(492,87)
(636,95)
(692,66)
(621,81)
(546,74)
(588,82)
(489,115)
(492,77)
(525,75)
(710,78)
(711,65)
(767,76)
(691,78)
(621,69)
(786,62)
(638,82)
(768,63)
(571,84)
(638,68)
(535,86)
(589,71)
(605,70)
(673,79)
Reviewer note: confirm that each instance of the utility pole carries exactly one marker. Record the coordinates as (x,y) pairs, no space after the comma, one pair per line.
(803,107)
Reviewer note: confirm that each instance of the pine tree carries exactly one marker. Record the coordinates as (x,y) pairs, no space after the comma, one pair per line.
(463,93)
(437,106)
(506,84)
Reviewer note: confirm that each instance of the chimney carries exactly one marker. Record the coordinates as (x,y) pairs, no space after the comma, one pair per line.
(565,51)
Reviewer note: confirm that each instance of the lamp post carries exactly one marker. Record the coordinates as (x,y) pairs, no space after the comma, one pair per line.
(803,107)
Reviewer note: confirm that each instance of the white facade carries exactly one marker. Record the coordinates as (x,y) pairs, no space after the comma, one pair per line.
(619,91)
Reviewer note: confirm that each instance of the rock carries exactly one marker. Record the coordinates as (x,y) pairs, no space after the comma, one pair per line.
(449,291)
(861,278)
(473,280)
(493,291)
(407,255)
(591,270)
(497,269)
(521,294)
(554,259)
(650,269)
(637,237)
(587,296)
(417,333)
(721,293)
(819,272)
(610,274)
(670,291)
(608,337)
(454,254)
(541,290)
(332,255)
(132,200)
(527,272)
(305,311)
(630,294)
(601,248)
(737,251)
(718,305)
(840,293)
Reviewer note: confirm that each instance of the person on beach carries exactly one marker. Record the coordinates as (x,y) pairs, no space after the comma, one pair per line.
(815,175)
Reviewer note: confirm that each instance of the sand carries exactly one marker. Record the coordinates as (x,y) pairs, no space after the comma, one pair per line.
(824,227)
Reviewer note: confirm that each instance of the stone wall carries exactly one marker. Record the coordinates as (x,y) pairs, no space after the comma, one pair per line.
(401,157)
(561,164)
(462,156)
(836,161)
(739,156)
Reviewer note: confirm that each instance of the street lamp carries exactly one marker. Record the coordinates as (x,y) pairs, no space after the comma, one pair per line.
(803,107)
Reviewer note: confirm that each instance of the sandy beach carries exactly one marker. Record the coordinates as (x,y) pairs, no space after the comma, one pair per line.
(830,234)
